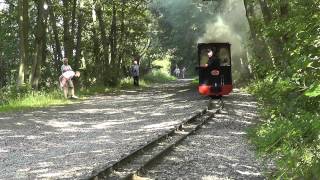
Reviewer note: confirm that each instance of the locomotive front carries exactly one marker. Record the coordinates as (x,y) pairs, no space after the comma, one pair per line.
(215,78)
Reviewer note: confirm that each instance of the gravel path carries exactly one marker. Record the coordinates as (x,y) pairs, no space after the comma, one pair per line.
(218,151)
(72,141)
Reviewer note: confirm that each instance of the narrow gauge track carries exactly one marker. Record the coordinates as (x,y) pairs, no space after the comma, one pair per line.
(131,165)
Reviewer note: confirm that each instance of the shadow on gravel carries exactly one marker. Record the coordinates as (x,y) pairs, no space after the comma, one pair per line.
(219,150)
(71,141)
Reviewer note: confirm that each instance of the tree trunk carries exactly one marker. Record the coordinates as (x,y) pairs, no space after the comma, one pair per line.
(284,13)
(266,11)
(121,40)
(2,73)
(105,45)
(284,9)
(68,42)
(98,63)
(23,36)
(40,45)
(58,52)
(259,46)
(73,21)
(274,43)
(78,42)
(113,45)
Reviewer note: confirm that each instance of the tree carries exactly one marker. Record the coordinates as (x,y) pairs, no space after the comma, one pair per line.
(40,45)
(23,7)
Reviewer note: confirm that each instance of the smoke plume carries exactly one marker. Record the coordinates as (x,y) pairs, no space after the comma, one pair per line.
(230,26)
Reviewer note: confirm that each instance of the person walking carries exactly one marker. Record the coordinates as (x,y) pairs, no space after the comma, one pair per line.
(135,73)
(183,71)
(177,71)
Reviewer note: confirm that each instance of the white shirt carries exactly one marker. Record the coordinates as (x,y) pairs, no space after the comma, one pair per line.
(68,74)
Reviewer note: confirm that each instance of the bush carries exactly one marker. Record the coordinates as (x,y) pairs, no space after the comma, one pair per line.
(158,76)
(290,132)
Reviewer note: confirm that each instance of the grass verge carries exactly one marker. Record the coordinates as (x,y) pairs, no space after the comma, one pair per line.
(290,131)
(34,100)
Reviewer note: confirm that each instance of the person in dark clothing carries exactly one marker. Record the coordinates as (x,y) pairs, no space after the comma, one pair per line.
(135,73)
(213,61)
(213,66)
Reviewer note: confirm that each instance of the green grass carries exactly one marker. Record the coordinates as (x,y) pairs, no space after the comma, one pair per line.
(34,100)
(125,83)
(195,81)
(158,76)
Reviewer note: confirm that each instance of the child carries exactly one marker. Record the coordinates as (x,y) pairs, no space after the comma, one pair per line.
(64,78)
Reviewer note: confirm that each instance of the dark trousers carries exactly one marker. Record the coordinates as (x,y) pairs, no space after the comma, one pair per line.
(216,84)
(136,80)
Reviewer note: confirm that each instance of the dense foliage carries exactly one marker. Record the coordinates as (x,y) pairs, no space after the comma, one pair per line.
(287,84)
(99,38)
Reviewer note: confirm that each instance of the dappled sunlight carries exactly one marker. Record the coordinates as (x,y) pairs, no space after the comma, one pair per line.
(108,124)
(63,124)
(158,114)
(163,125)
(101,126)
(83,136)
(4,118)
(225,157)
(246,104)
(212,177)
(33,137)
(238,133)
(3,151)
(184,90)
(3,131)
(248,173)
(93,111)
(128,91)
(66,173)
(217,151)
(74,129)
(140,113)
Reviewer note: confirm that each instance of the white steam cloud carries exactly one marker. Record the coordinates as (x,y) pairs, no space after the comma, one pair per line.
(231,26)
(220,32)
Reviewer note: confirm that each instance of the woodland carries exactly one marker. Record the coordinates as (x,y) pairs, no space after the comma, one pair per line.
(276,57)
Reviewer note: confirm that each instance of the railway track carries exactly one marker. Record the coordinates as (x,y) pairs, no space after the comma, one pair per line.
(133,164)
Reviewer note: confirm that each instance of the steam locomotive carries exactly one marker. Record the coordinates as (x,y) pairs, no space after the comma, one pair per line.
(215,78)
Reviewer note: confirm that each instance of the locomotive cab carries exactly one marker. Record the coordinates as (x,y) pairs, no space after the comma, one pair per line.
(214,60)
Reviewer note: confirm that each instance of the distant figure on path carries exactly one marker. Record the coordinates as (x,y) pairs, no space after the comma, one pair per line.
(183,71)
(64,79)
(135,73)
(177,71)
